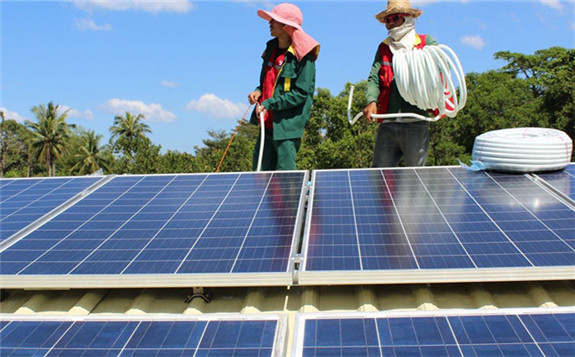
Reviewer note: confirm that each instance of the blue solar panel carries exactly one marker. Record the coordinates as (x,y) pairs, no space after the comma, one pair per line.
(563,181)
(136,338)
(23,201)
(431,219)
(494,334)
(169,224)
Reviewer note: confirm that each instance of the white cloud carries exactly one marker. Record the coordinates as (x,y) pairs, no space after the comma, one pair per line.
(217,107)
(12,115)
(74,113)
(152,111)
(89,25)
(169,84)
(153,6)
(555,4)
(473,41)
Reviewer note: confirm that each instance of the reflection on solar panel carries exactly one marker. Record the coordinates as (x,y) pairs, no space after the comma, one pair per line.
(166,230)
(432,225)
(563,181)
(468,334)
(23,201)
(131,337)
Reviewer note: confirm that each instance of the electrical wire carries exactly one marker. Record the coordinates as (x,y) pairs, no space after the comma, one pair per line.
(425,78)
(522,150)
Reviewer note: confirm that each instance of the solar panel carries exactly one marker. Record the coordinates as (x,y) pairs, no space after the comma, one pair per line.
(433,224)
(469,333)
(125,336)
(165,231)
(23,201)
(563,181)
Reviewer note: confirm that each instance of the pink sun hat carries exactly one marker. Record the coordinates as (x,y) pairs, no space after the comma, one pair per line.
(291,16)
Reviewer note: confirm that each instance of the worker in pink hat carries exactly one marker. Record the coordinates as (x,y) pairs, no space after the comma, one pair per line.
(286,88)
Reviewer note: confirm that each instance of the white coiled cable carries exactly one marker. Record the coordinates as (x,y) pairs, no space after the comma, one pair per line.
(424,79)
(522,150)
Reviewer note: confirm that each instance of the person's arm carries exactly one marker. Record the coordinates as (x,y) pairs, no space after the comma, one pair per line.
(372,88)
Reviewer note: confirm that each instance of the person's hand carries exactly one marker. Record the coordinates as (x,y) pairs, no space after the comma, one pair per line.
(370,109)
(260,109)
(254,96)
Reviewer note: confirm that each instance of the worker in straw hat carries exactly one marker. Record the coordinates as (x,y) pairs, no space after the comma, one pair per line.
(396,137)
(287,85)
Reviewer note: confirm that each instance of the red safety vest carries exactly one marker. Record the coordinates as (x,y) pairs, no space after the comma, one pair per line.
(272,71)
(386,74)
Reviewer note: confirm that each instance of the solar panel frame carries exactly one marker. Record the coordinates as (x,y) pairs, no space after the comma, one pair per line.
(161,334)
(436,332)
(273,191)
(47,210)
(414,273)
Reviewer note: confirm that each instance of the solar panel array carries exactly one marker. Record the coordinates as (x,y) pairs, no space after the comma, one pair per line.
(114,337)
(408,225)
(155,230)
(467,334)
(401,225)
(434,224)
(23,201)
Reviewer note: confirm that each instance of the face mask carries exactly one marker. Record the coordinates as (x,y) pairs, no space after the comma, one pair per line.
(399,32)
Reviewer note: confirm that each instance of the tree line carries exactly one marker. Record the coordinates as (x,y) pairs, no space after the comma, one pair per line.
(528,91)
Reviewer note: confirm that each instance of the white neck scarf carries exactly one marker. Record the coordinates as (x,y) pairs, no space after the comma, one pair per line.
(403,37)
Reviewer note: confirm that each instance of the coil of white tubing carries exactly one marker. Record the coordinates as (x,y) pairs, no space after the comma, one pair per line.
(523,149)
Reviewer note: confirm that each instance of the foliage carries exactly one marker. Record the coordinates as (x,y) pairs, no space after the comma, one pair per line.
(239,156)
(127,132)
(143,158)
(91,156)
(49,134)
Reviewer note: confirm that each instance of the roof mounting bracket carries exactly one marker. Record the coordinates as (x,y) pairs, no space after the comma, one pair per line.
(199,292)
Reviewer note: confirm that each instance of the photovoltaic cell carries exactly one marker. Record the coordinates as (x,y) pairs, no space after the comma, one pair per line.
(563,180)
(23,201)
(167,225)
(429,221)
(139,337)
(494,334)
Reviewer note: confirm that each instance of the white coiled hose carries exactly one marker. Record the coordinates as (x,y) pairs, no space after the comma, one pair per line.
(424,79)
(522,150)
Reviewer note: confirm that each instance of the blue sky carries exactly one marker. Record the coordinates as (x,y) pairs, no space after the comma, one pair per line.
(188,66)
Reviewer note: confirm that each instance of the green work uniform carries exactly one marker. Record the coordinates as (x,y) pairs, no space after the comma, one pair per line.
(290,104)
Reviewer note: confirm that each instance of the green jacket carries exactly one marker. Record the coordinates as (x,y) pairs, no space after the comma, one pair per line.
(396,102)
(293,94)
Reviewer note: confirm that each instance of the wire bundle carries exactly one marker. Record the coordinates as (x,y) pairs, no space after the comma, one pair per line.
(523,149)
(424,78)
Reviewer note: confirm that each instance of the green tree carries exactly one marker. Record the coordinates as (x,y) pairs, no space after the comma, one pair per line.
(330,141)
(16,158)
(145,159)
(551,75)
(239,155)
(176,162)
(50,134)
(126,133)
(92,157)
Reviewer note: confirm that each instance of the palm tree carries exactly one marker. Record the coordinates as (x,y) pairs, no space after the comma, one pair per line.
(50,134)
(92,156)
(127,130)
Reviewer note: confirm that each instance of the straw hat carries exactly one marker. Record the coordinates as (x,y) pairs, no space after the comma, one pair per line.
(398,7)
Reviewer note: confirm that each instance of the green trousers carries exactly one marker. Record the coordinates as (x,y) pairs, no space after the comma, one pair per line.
(278,154)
